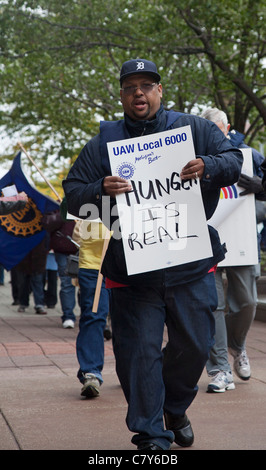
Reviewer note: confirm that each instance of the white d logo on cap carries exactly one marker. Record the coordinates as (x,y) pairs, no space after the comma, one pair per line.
(140,65)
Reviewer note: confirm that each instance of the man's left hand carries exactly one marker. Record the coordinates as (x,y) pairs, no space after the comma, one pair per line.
(193,169)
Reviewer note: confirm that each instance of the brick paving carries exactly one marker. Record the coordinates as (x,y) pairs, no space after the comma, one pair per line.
(41,407)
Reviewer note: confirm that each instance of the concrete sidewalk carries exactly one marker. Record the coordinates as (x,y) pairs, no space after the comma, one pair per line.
(41,407)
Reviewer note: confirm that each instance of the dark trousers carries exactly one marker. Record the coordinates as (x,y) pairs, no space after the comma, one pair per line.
(28,282)
(152,379)
(15,284)
(50,287)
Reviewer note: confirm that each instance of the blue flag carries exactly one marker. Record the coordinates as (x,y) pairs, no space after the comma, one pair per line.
(21,231)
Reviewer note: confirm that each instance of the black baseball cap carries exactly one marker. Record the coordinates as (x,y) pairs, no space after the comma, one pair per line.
(134,66)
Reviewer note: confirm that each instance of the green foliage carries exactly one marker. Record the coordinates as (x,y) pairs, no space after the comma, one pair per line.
(60,64)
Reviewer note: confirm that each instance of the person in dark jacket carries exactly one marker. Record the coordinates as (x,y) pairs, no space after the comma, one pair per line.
(263,167)
(157,384)
(30,272)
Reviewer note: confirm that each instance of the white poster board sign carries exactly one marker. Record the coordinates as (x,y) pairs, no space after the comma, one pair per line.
(162,218)
(235,221)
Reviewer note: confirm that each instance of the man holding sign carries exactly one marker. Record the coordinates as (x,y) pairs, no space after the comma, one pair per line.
(173,162)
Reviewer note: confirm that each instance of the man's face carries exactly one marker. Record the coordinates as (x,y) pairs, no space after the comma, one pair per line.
(140,104)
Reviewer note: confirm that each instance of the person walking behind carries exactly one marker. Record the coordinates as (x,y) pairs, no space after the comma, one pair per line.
(241,293)
(30,272)
(63,247)
(60,232)
(90,340)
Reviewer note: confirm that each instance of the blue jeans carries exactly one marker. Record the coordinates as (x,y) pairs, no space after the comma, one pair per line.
(36,282)
(90,340)
(67,291)
(154,380)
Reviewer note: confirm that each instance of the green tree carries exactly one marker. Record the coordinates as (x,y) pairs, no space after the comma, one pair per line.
(60,64)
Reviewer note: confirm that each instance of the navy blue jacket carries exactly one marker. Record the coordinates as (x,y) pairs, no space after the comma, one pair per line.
(237,140)
(83,185)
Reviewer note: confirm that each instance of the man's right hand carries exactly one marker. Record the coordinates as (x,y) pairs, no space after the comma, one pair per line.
(114,185)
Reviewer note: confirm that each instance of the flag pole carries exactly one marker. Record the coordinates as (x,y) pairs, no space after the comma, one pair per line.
(40,171)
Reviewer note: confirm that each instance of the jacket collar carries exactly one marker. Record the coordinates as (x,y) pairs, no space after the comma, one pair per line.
(138,128)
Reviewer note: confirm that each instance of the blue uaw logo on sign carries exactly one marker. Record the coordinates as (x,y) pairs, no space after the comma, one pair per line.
(126,170)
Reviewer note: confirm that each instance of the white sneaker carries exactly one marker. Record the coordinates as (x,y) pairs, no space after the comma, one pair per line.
(68,324)
(91,386)
(221,382)
(241,364)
